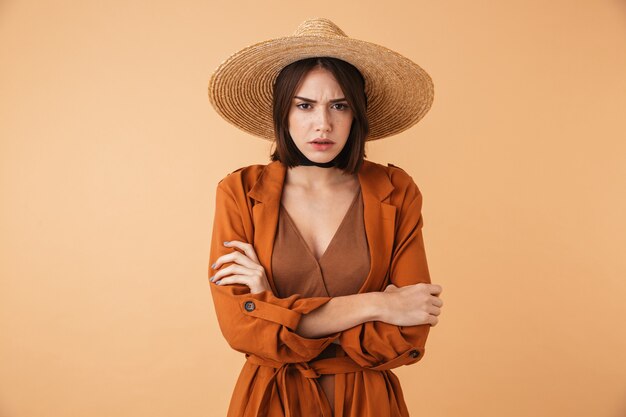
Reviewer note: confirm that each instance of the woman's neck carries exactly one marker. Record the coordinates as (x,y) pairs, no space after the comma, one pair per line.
(316,178)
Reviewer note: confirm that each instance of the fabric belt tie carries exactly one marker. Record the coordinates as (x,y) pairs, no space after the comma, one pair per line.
(311,371)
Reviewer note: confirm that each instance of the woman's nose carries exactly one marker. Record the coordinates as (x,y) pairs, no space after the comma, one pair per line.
(323,120)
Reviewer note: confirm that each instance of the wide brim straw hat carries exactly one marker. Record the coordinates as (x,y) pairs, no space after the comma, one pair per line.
(399,92)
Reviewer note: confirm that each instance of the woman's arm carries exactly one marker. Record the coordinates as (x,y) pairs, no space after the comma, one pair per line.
(407,306)
(341,313)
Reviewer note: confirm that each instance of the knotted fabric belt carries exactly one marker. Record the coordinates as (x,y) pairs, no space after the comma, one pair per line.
(311,370)
(315,368)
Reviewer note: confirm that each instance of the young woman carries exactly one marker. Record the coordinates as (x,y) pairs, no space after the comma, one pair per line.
(318,269)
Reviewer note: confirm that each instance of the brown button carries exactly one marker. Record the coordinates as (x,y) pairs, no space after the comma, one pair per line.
(414,353)
(249,306)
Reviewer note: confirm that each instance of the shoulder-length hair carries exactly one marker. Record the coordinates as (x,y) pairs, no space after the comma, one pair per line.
(352,84)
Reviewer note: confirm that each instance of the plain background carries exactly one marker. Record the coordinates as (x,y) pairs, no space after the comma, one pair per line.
(110,154)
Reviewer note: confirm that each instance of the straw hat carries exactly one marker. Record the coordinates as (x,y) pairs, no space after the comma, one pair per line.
(399,92)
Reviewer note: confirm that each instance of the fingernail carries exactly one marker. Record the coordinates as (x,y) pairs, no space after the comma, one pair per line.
(211,279)
(213,266)
(226,242)
(219,282)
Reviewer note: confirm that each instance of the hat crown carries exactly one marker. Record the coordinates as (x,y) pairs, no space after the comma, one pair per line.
(319,27)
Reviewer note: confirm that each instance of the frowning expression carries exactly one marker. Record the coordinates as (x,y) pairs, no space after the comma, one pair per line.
(319,116)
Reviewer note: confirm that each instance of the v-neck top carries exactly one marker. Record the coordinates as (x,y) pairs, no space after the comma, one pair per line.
(342,268)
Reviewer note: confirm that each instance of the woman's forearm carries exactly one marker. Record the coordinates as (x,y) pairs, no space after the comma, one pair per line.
(341,313)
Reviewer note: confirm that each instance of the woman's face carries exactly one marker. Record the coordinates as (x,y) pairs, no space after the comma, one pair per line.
(319,113)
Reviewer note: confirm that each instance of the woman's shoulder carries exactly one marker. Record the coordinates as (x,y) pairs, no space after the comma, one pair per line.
(404,189)
(400,178)
(398,175)
(246,171)
(395,173)
(245,176)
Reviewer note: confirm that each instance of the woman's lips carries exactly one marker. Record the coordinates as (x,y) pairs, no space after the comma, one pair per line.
(321,146)
(322,140)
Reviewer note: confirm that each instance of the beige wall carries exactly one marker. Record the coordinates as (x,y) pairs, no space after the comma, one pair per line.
(110,154)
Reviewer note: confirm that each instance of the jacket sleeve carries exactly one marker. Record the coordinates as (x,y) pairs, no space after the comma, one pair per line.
(259,324)
(378,345)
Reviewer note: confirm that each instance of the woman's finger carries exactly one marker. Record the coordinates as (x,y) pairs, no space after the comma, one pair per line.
(435,288)
(247,248)
(435,311)
(231,270)
(242,279)
(234,256)
(234,279)
(436,301)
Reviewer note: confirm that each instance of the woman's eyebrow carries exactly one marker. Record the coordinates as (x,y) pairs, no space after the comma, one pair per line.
(313,101)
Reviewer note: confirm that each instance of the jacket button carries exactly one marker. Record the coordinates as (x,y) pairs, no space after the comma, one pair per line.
(249,306)
(414,353)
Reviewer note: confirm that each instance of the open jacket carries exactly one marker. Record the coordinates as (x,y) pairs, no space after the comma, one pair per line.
(279,375)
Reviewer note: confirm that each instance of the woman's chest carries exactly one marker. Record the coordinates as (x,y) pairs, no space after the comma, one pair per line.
(334,268)
(318,218)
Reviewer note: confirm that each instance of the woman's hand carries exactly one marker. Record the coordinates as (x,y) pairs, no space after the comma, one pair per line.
(246,268)
(412,304)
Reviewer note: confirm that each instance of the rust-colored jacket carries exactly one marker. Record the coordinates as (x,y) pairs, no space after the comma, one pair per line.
(278,378)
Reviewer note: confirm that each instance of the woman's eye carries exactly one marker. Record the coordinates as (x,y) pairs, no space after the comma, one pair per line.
(341,106)
(302,106)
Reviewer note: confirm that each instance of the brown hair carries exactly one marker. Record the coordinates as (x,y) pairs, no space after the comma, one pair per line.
(352,84)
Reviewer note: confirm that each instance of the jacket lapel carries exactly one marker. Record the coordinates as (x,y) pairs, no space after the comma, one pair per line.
(379,217)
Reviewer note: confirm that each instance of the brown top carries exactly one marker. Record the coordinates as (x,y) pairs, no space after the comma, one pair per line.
(341,270)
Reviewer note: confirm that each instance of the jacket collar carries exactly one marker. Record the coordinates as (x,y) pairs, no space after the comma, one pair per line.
(379,218)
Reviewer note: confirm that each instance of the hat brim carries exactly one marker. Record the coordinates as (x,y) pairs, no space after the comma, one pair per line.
(399,91)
